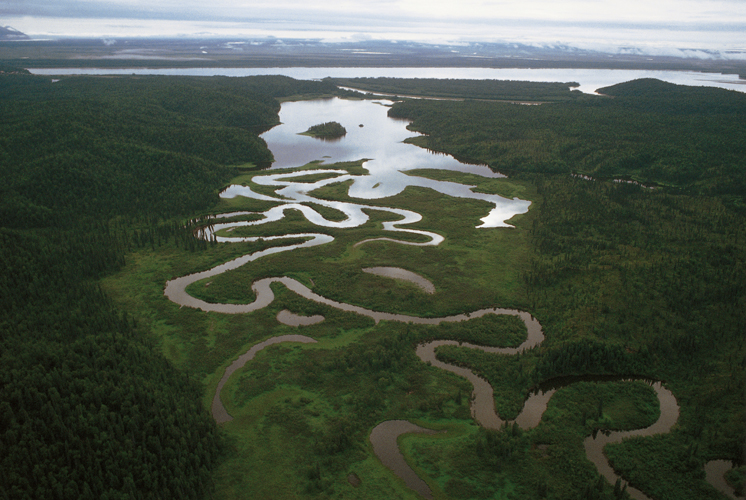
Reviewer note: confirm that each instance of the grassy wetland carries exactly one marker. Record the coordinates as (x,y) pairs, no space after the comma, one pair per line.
(627,282)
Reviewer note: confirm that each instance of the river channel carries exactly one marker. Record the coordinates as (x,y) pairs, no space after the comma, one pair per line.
(379,139)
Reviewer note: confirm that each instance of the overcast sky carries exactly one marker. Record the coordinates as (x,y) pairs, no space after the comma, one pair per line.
(657,26)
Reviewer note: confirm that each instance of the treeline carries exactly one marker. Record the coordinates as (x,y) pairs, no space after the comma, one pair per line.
(130,145)
(92,168)
(498,90)
(12,68)
(88,407)
(654,132)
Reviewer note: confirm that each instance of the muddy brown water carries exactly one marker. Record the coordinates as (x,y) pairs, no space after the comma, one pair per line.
(483,412)
(219,413)
(483,404)
(594,445)
(482,407)
(715,472)
(384,437)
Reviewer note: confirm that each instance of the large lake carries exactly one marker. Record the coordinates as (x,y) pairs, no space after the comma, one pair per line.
(589,79)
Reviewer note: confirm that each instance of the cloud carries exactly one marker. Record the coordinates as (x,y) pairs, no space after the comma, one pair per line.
(652,25)
(375,12)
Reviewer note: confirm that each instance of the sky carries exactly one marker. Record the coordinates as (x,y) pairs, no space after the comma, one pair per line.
(657,27)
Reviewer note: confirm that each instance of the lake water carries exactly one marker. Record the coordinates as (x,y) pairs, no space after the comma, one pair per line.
(589,79)
(373,136)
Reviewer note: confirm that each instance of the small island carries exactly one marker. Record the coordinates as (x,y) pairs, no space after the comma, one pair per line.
(328,130)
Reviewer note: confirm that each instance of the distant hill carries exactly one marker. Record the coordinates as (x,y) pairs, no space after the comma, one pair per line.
(8,33)
(650,94)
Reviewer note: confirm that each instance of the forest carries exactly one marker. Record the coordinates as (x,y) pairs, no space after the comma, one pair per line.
(89,407)
(643,277)
(493,90)
(326,130)
(632,256)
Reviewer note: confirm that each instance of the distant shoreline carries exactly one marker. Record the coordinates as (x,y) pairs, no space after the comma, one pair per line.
(590,79)
(123,53)
(718,67)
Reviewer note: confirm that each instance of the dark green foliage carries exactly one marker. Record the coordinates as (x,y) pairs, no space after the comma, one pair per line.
(327,130)
(664,466)
(628,280)
(12,68)
(651,95)
(503,90)
(652,132)
(625,280)
(737,479)
(89,409)
(350,389)
(489,330)
(130,145)
(588,357)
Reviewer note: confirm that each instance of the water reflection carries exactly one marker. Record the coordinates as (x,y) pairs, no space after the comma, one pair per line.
(380,142)
(380,138)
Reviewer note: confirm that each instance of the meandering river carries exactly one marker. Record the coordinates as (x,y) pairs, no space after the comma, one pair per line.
(380,140)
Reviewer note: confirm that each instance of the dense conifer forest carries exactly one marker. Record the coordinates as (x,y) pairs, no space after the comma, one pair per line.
(89,407)
(638,260)
(499,90)
(689,138)
(632,256)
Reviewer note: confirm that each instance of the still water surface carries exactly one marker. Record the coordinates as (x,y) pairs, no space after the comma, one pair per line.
(589,79)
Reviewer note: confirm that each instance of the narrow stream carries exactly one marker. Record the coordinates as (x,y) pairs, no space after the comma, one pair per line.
(483,406)
(384,437)
(219,413)
(594,445)
(715,472)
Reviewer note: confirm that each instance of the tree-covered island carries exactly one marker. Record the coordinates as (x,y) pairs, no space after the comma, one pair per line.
(327,130)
